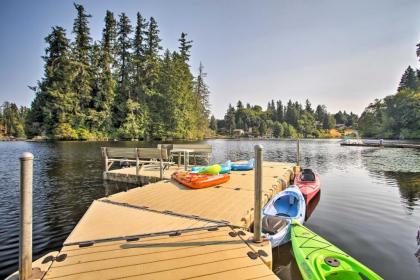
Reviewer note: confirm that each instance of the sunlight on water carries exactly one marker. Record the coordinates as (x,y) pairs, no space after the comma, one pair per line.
(370,204)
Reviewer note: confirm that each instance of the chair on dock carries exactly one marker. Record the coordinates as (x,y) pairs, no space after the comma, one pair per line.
(142,157)
(199,151)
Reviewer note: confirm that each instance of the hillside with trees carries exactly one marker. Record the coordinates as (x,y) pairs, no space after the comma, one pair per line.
(396,116)
(12,120)
(283,120)
(121,86)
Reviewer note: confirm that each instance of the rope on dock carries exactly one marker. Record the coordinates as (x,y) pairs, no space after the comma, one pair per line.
(136,237)
(166,212)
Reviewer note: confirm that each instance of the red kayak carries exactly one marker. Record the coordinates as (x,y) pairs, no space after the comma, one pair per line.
(308,183)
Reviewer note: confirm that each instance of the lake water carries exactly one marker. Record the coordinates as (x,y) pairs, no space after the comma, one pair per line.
(369,205)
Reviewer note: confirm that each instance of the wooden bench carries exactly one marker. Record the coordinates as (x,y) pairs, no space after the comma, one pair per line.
(140,156)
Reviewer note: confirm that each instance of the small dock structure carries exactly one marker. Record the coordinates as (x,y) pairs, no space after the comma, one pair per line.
(149,165)
(164,230)
(378,144)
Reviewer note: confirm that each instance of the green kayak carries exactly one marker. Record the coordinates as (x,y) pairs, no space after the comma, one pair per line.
(319,259)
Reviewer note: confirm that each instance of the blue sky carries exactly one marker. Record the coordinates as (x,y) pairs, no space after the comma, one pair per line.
(342,54)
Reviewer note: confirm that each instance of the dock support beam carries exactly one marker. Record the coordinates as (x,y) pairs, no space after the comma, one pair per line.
(298,153)
(25,237)
(258,193)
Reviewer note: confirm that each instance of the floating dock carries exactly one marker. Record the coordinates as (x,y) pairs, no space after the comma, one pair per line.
(165,230)
(383,145)
(148,174)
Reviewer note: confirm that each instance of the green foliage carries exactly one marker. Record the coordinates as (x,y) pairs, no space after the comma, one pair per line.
(12,120)
(119,86)
(64,131)
(278,120)
(396,116)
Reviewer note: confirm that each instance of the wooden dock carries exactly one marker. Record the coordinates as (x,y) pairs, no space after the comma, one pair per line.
(165,230)
(147,175)
(383,145)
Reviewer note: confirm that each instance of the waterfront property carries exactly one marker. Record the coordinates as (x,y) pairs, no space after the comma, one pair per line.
(165,230)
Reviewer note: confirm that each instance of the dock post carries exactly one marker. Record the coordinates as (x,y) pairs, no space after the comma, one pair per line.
(25,237)
(161,163)
(105,155)
(298,153)
(258,193)
(137,163)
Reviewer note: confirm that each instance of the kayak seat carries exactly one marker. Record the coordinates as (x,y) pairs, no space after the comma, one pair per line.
(272,224)
(307,175)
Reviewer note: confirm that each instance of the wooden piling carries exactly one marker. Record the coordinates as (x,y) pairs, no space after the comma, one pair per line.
(258,194)
(25,237)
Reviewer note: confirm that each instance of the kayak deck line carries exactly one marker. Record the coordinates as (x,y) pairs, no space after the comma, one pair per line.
(165,230)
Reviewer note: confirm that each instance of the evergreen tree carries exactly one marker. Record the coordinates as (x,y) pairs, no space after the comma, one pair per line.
(123,70)
(56,105)
(81,55)
(408,80)
(230,119)
(213,123)
(151,78)
(107,84)
(185,46)
(202,94)
(139,57)
(308,107)
(279,111)
(320,111)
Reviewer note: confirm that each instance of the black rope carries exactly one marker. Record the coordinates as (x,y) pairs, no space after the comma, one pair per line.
(136,237)
(166,212)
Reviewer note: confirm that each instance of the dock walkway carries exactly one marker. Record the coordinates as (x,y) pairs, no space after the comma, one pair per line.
(167,231)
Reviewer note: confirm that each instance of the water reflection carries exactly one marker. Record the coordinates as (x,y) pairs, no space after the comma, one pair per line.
(366,194)
(310,208)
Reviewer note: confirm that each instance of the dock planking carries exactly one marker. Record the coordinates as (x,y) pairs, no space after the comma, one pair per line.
(165,230)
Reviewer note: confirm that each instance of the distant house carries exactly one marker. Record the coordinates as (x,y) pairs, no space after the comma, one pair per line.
(238,132)
(340,125)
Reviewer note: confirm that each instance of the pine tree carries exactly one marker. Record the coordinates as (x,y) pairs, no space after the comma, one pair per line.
(230,119)
(56,105)
(105,98)
(139,53)
(308,107)
(202,94)
(279,111)
(151,79)
(81,56)
(408,80)
(185,46)
(213,123)
(123,70)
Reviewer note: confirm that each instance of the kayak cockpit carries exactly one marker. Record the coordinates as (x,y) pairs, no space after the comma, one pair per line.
(273,225)
(307,175)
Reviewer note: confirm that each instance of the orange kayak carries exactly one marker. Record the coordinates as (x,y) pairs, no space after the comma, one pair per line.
(199,181)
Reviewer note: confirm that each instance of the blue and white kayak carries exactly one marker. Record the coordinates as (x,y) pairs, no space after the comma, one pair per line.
(243,166)
(278,213)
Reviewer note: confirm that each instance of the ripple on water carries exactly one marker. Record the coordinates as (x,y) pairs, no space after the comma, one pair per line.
(369,205)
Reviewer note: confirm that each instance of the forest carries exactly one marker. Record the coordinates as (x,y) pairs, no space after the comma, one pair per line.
(121,86)
(126,86)
(395,116)
(290,120)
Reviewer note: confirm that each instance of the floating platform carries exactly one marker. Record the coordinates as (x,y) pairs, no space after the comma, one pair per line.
(148,174)
(383,145)
(165,230)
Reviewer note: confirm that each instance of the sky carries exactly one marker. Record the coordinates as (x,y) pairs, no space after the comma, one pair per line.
(343,54)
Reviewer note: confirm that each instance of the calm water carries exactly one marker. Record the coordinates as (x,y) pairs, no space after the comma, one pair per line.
(369,206)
